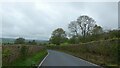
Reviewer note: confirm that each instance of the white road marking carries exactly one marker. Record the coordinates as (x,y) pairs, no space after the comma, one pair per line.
(43,60)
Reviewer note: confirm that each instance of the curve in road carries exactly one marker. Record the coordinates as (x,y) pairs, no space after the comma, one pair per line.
(56,58)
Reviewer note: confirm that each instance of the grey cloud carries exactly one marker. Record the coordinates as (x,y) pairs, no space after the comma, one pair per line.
(38,20)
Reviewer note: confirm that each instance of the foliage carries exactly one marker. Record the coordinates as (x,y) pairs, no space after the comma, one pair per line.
(58,36)
(64,44)
(86,24)
(14,53)
(23,51)
(73,40)
(95,37)
(97,30)
(84,30)
(6,52)
(83,26)
(104,52)
(33,42)
(51,45)
(73,27)
(19,41)
(31,61)
(114,34)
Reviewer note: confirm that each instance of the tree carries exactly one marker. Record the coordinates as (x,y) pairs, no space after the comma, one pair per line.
(33,42)
(73,27)
(86,24)
(114,34)
(58,36)
(19,41)
(74,40)
(97,30)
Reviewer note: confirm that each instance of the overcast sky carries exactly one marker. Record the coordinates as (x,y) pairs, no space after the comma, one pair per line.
(37,20)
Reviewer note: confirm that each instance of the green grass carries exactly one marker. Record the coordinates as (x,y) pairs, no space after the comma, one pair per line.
(31,61)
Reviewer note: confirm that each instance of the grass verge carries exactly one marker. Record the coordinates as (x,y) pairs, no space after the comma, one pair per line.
(31,61)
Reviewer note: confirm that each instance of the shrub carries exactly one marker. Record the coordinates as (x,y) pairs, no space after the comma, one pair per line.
(24,51)
(64,44)
(12,53)
(19,41)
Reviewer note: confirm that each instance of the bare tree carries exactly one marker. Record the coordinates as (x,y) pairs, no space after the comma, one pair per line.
(86,24)
(73,27)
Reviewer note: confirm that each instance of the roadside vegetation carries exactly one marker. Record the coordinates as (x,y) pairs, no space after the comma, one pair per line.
(89,41)
(103,53)
(22,54)
(33,60)
(85,39)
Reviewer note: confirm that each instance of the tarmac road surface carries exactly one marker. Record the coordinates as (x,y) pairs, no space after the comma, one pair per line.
(56,58)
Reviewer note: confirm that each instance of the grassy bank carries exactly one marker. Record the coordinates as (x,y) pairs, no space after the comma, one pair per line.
(31,61)
(22,55)
(103,53)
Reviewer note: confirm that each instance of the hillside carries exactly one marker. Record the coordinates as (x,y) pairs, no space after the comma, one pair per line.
(11,40)
(7,40)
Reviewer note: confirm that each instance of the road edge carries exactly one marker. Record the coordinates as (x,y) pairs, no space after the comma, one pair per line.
(43,60)
(89,62)
(81,59)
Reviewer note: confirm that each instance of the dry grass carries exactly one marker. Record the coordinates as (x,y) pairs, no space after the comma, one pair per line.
(13,52)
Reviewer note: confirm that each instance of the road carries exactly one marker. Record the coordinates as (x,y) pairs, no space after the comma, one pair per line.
(56,58)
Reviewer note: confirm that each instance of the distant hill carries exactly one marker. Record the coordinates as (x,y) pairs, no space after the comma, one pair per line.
(7,40)
(11,40)
(38,41)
